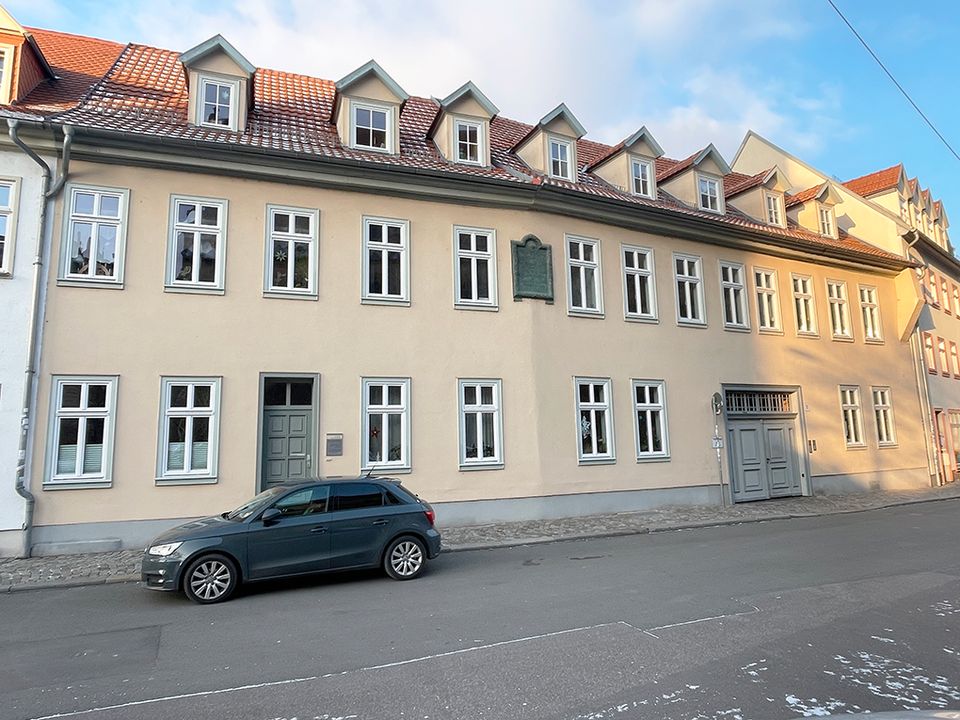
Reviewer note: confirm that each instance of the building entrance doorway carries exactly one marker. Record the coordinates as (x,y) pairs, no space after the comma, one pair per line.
(288,434)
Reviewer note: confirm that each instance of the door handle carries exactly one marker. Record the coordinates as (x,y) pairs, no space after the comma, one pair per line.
(380,522)
(320,529)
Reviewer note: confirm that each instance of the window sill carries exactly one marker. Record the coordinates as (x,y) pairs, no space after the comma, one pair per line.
(841,338)
(5,274)
(475,306)
(470,467)
(77,485)
(873,341)
(190,290)
(808,335)
(100,284)
(769,331)
(214,126)
(385,471)
(857,447)
(385,301)
(736,329)
(651,320)
(597,461)
(653,459)
(888,446)
(289,295)
(598,314)
(369,148)
(691,324)
(171,480)
(932,372)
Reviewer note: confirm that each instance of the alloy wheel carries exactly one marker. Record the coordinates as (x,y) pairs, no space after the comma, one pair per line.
(210,580)
(406,558)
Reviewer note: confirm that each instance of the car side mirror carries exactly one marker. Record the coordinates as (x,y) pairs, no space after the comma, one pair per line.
(271,516)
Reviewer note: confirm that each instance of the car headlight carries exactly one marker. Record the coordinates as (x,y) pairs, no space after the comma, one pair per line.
(164,550)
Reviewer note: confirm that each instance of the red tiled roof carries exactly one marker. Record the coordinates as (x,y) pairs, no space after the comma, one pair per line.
(665,171)
(803,196)
(735,183)
(875,182)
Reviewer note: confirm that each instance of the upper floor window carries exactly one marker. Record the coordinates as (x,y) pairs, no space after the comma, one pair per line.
(291,251)
(639,286)
(768,307)
(6,65)
(480,424)
(954,359)
(870,310)
(82,421)
(371,127)
(688,275)
(804,304)
(933,287)
(386,423)
(839,312)
(385,260)
(708,193)
(561,161)
(734,296)
(930,353)
(583,263)
(774,203)
(642,176)
(827,225)
(189,430)
(594,421)
(218,103)
(469,136)
(8,196)
(197,244)
(944,358)
(94,237)
(956,300)
(475,281)
(945,294)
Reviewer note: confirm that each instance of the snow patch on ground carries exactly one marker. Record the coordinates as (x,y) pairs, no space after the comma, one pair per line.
(812,707)
(945,608)
(902,682)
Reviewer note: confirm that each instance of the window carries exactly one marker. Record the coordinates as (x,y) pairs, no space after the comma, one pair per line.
(956,300)
(709,193)
(641,172)
(768,312)
(291,251)
(475,268)
(309,501)
(218,107)
(850,410)
(371,127)
(189,430)
(5,65)
(386,424)
(594,423)
(561,165)
(774,203)
(826,221)
(385,261)
(870,310)
(933,288)
(584,292)
(94,235)
(468,142)
(883,412)
(197,244)
(650,414)
(954,359)
(804,305)
(639,287)
(734,296)
(689,282)
(480,424)
(945,294)
(930,353)
(839,312)
(356,496)
(82,419)
(8,199)
(942,356)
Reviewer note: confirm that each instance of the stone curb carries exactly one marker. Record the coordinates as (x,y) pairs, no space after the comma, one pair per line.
(519,542)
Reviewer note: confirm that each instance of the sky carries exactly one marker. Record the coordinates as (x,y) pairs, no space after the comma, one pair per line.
(692,71)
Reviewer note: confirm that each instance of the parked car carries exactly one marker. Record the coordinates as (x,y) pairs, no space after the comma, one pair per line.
(296,528)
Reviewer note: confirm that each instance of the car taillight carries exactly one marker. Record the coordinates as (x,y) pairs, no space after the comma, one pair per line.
(431,516)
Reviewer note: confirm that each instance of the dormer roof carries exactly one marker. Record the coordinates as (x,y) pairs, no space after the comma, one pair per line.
(560,112)
(371,67)
(641,135)
(468,89)
(736,183)
(824,193)
(217,43)
(694,161)
(878,182)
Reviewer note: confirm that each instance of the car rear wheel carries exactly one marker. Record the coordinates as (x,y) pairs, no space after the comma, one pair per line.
(210,579)
(405,558)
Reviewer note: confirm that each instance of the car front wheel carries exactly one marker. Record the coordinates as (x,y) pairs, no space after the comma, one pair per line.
(210,579)
(405,558)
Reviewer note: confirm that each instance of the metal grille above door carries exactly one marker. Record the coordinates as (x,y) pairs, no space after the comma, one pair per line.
(759,402)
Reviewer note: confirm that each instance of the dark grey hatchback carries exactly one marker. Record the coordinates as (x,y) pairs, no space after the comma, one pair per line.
(296,528)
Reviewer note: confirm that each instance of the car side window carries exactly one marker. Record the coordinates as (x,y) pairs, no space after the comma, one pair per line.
(308,501)
(354,496)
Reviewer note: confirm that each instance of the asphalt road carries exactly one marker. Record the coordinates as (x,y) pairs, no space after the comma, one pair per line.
(774,620)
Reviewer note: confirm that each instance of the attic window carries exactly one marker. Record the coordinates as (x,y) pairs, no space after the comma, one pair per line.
(371,127)
(6,62)
(826,221)
(642,176)
(774,203)
(560,162)
(468,136)
(709,193)
(218,103)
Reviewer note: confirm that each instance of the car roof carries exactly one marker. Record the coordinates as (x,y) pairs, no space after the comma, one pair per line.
(333,481)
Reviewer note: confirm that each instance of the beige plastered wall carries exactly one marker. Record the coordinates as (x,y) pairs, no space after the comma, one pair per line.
(142,333)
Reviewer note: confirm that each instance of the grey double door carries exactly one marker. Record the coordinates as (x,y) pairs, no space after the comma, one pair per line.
(288,433)
(764,459)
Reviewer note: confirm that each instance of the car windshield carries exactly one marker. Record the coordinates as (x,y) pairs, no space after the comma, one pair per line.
(252,506)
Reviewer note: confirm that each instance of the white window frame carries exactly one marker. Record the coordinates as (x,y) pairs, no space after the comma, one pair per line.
(775,211)
(804,298)
(635,163)
(269,289)
(202,476)
(648,407)
(571,158)
(403,248)
(838,309)
(6,79)
(492,302)
(738,294)
(580,267)
(772,303)
(631,280)
(592,406)
(851,415)
(9,212)
(390,123)
(191,286)
(929,351)
(943,355)
(123,198)
(883,406)
(954,359)
(404,463)
(234,86)
(955,290)
(872,308)
(827,220)
(479,125)
(696,281)
(104,478)
(717,184)
(496,460)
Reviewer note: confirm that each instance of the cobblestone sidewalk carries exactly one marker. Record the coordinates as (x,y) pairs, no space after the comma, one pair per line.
(123,565)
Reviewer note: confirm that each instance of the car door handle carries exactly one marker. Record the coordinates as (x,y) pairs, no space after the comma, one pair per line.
(320,529)
(380,522)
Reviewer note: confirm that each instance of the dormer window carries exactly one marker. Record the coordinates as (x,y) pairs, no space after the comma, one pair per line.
(219,108)
(560,152)
(371,127)
(641,172)
(827,224)
(468,137)
(5,65)
(774,204)
(709,193)
(220,84)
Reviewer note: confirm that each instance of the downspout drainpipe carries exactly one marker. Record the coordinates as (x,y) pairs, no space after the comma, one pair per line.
(49,193)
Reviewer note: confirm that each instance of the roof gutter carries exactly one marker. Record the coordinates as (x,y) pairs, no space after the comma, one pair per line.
(49,190)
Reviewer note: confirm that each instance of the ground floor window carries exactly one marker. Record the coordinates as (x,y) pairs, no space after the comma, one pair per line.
(651,419)
(594,421)
(189,429)
(480,424)
(82,420)
(883,412)
(852,420)
(386,423)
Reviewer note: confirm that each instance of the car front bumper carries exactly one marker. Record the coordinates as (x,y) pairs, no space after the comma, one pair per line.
(160,573)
